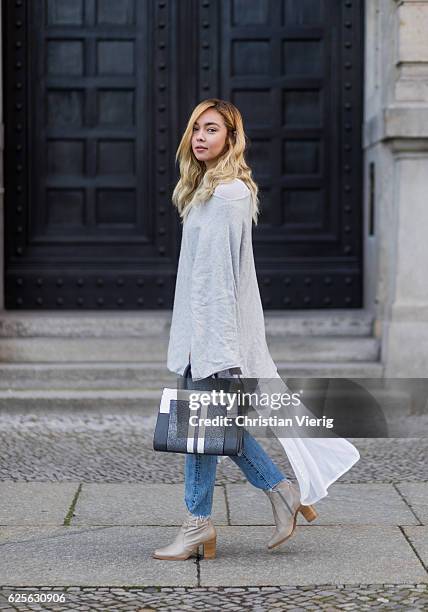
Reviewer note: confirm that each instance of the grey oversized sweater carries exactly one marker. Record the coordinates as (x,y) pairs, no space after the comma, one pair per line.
(218,314)
(218,317)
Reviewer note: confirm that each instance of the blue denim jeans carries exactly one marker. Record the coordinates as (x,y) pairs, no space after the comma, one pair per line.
(200,473)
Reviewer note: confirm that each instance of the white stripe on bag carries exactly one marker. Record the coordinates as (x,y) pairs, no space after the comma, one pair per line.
(201,432)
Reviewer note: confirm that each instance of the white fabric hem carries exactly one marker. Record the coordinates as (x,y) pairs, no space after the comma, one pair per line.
(314,500)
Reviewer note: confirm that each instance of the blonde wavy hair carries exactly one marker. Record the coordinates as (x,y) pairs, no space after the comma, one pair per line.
(197,183)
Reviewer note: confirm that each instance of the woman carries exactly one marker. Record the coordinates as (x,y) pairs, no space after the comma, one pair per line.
(217,327)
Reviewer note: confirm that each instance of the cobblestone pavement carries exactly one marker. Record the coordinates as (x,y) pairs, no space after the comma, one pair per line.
(118,448)
(258,599)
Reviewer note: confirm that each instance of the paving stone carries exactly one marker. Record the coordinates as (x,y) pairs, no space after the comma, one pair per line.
(90,556)
(418,536)
(248,505)
(313,555)
(368,504)
(416,494)
(345,504)
(35,503)
(138,504)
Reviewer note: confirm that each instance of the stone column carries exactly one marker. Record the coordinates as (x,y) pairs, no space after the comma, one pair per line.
(396,142)
(1,175)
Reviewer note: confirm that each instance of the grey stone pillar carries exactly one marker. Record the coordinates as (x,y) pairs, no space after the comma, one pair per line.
(1,175)
(396,143)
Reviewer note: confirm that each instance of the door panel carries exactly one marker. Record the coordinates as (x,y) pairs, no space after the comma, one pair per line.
(89,165)
(294,69)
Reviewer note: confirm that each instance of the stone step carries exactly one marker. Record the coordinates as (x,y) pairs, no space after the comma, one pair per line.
(39,401)
(154,348)
(324,348)
(73,324)
(154,375)
(319,323)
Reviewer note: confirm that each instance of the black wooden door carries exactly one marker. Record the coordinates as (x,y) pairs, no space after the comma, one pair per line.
(98,93)
(89,155)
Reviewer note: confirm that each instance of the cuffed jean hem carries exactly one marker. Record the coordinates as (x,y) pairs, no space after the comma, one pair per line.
(279,482)
(198,516)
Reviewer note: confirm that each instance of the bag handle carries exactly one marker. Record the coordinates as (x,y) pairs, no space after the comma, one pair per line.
(187,374)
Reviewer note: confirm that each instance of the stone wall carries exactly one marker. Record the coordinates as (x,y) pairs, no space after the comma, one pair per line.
(1,175)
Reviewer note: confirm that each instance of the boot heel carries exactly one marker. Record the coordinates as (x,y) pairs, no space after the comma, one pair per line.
(308,512)
(209,549)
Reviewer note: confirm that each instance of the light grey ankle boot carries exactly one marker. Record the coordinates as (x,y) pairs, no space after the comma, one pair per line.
(194,532)
(285,500)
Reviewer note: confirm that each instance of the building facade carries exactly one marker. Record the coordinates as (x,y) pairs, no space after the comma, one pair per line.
(335,104)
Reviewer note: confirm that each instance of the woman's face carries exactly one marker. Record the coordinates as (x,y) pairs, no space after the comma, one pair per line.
(209,137)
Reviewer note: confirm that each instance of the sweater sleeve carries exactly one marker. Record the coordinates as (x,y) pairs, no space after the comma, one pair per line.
(214,308)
